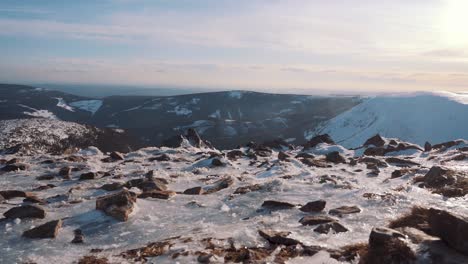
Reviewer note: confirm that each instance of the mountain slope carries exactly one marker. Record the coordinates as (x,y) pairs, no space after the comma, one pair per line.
(433,117)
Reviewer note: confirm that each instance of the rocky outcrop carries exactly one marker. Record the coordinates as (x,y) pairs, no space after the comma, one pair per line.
(47,230)
(325,138)
(453,229)
(15,167)
(376,140)
(25,211)
(118,205)
(218,185)
(387,246)
(316,220)
(278,238)
(335,157)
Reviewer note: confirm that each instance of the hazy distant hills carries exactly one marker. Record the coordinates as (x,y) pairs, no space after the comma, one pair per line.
(226,119)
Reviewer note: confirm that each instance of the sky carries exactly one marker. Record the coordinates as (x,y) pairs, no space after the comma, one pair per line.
(268,45)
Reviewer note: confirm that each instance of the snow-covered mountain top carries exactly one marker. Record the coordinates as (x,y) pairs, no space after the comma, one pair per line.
(419,117)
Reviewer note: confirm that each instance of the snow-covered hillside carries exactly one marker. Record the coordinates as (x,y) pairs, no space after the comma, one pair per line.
(421,117)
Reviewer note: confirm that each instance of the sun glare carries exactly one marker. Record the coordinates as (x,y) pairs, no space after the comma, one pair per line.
(455,22)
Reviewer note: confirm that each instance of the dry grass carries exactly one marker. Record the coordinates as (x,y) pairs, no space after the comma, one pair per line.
(417,218)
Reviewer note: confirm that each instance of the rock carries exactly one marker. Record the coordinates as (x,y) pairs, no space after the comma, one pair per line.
(118,205)
(47,230)
(448,144)
(79,237)
(112,186)
(2,199)
(263,151)
(381,235)
(309,220)
(438,176)
(427,146)
(453,229)
(117,155)
(278,238)
(165,195)
(234,154)
(325,138)
(373,161)
(247,189)
(283,156)
(194,191)
(218,185)
(278,144)
(334,226)
(204,258)
(88,176)
(344,210)
(375,151)
(217,162)
(335,157)
(162,157)
(275,205)
(376,140)
(401,162)
(45,177)
(402,172)
(25,211)
(15,167)
(65,172)
(147,185)
(315,163)
(304,155)
(10,194)
(34,199)
(315,206)
(386,246)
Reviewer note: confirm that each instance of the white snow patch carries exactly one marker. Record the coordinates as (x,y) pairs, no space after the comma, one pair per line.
(61,103)
(235,94)
(216,114)
(88,105)
(181,111)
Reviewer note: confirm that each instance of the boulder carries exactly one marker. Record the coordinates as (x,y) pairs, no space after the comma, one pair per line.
(283,156)
(88,176)
(401,162)
(387,246)
(438,177)
(15,167)
(316,220)
(427,146)
(165,195)
(278,238)
(194,191)
(112,186)
(47,230)
(304,155)
(146,185)
(2,199)
(334,226)
(448,144)
(313,207)
(79,237)
(247,189)
(376,140)
(25,211)
(10,194)
(276,205)
(117,155)
(234,154)
(162,157)
(217,162)
(344,210)
(65,171)
(118,205)
(335,157)
(373,161)
(218,185)
(451,228)
(325,138)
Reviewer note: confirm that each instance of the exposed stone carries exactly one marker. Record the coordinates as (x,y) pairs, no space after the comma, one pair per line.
(325,138)
(234,154)
(162,157)
(118,205)
(373,161)
(387,247)
(34,199)
(401,162)
(10,194)
(376,140)
(217,162)
(309,220)
(334,226)
(247,189)
(2,199)
(65,172)
(427,146)
(279,238)
(165,195)
(88,176)
(448,144)
(315,163)
(276,205)
(194,191)
(218,185)
(304,155)
(15,167)
(381,235)
(315,206)
(146,184)
(283,156)
(438,177)
(79,237)
(402,172)
(45,177)
(117,155)
(25,211)
(344,210)
(335,157)
(112,186)
(47,230)
(453,229)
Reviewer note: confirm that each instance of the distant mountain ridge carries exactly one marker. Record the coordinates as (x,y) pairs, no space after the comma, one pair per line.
(227,119)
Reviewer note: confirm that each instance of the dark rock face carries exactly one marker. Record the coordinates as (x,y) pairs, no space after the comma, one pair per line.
(162,157)
(376,140)
(10,194)
(316,220)
(47,230)
(344,210)
(276,205)
(147,185)
(115,155)
(79,237)
(278,238)
(401,162)
(402,172)
(194,191)
(15,167)
(448,144)
(334,226)
(65,172)
(191,136)
(217,162)
(234,154)
(88,176)
(219,185)
(453,229)
(373,161)
(438,177)
(387,247)
(427,146)
(118,205)
(335,157)
(325,138)
(25,211)
(2,199)
(165,195)
(315,206)
(247,189)
(283,156)
(112,186)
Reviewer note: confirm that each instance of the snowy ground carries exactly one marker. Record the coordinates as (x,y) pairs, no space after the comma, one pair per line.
(221,215)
